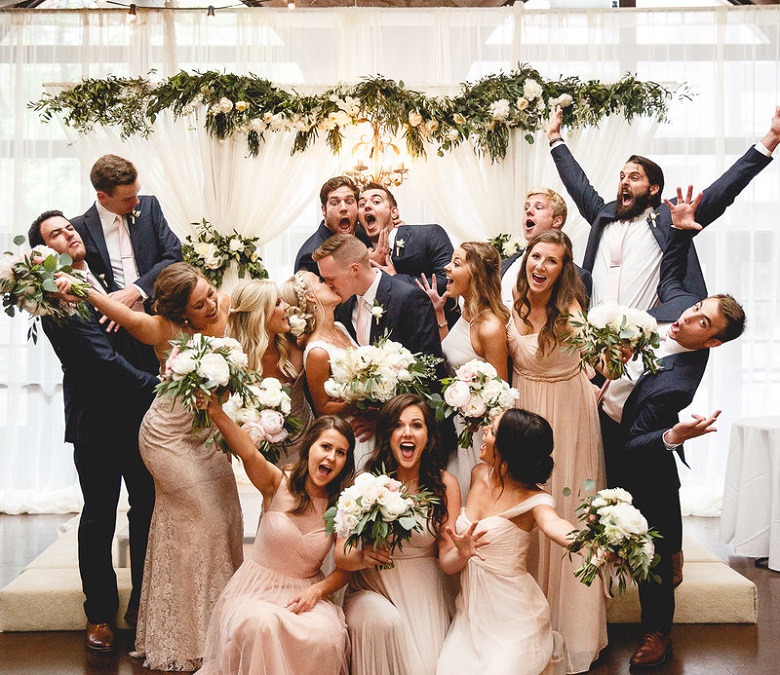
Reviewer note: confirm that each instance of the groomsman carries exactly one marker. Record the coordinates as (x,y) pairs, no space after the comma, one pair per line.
(106,392)
(127,238)
(642,431)
(629,235)
(544,209)
(339,202)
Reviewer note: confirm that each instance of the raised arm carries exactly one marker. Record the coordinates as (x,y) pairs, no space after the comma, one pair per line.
(771,138)
(554,527)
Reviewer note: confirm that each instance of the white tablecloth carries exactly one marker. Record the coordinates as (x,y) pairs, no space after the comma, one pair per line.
(751,498)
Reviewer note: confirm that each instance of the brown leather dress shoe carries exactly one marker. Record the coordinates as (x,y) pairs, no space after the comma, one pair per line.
(677,568)
(100,637)
(654,650)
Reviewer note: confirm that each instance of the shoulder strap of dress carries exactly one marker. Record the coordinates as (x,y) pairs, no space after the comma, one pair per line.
(528,504)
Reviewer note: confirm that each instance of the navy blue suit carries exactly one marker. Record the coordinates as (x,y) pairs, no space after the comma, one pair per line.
(408,316)
(584,275)
(154,244)
(303,259)
(635,453)
(106,393)
(717,197)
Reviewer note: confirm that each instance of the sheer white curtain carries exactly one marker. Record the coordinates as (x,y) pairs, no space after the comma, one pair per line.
(728,55)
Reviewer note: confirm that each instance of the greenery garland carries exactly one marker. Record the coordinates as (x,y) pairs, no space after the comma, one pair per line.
(483,112)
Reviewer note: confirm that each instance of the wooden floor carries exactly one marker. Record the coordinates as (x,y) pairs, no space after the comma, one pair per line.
(699,649)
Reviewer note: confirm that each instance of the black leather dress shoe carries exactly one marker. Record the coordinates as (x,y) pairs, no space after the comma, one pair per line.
(100,637)
(654,650)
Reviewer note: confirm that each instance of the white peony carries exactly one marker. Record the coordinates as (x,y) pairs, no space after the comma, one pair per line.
(531,90)
(476,407)
(457,394)
(182,364)
(236,245)
(215,369)
(604,315)
(629,519)
(394,507)
(499,110)
(615,495)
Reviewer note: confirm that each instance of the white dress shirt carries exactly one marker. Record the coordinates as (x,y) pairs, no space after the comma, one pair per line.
(369,296)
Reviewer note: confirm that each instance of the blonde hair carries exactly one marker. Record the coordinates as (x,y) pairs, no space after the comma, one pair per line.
(294,291)
(484,265)
(557,203)
(251,306)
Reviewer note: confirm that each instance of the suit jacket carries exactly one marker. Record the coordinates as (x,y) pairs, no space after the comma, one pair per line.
(717,197)
(105,388)
(426,249)
(408,316)
(154,244)
(584,275)
(303,259)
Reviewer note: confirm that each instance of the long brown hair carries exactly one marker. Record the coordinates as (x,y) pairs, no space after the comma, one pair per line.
(431,462)
(567,290)
(172,291)
(300,470)
(484,265)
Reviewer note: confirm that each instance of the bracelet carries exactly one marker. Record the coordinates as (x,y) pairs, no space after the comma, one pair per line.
(442,325)
(555,140)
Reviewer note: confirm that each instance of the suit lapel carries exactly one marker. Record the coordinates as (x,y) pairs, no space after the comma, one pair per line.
(403,233)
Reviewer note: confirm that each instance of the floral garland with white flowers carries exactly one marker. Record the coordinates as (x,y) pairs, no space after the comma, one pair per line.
(483,113)
(212,252)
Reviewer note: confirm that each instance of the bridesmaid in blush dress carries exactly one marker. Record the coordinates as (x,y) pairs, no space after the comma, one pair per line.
(195,539)
(502,619)
(274,618)
(398,618)
(552,384)
(258,320)
(479,333)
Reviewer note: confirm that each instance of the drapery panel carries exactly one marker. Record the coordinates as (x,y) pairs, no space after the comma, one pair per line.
(729,57)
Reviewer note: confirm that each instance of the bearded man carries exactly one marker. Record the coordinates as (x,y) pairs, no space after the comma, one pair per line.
(629,235)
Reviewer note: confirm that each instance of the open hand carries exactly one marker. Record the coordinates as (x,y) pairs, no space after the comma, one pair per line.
(432,291)
(378,255)
(468,544)
(552,126)
(697,426)
(684,211)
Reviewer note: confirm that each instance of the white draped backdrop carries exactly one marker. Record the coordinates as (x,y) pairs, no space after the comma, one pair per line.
(729,56)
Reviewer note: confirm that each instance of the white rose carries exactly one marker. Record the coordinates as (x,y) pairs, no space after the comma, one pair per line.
(270,398)
(225,105)
(499,109)
(236,245)
(415,118)
(532,89)
(492,390)
(508,397)
(521,103)
(362,480)
(405,376)
(377,311)
(215,369)
(457,394)
(333,388)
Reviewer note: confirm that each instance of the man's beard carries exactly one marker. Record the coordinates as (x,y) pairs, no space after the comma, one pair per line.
(634,209)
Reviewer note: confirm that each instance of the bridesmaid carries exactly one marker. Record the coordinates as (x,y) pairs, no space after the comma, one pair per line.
(258,320)
(398,618)
(325,338)
(479,333)
(274,615)
(502,619)
(196,535)
(552,384)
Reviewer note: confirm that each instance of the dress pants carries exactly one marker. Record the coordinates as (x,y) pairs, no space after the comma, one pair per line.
(101,466)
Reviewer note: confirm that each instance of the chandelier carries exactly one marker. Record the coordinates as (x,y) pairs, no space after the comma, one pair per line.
(377,160)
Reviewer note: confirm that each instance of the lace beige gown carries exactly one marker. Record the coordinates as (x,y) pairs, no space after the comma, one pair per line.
(195,540)
(554,387)
(398,618)
(251,631)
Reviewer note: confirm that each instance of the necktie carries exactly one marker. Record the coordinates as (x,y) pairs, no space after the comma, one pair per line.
(615,262)
(92,281)
(363,323)
(126,253)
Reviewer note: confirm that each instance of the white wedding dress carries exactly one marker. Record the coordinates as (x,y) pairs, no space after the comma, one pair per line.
(363,449)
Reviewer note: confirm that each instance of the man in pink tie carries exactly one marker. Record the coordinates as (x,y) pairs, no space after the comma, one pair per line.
(107,388)
(127,239)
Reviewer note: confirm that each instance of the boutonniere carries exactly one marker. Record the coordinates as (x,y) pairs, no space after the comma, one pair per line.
(377,311)
(652,218)
(102,277)
(399,245)
(132,216)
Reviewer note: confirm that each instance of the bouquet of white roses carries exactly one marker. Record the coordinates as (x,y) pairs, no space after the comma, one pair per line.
(375,373)
(507,245)
(615,540)
(27,283)
(602,336)
(212,252)
(477,395)
(208,364)
(377,511)
(265,416)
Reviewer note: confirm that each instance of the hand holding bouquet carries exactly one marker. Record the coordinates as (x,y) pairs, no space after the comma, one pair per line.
(477,395)
(377,511)
(265,416)
(27,283)
(609,331)
(208,364)
(373,374)
(615,540)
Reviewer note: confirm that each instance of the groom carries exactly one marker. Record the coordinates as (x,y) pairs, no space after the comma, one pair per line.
(106,391)
(642,431)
